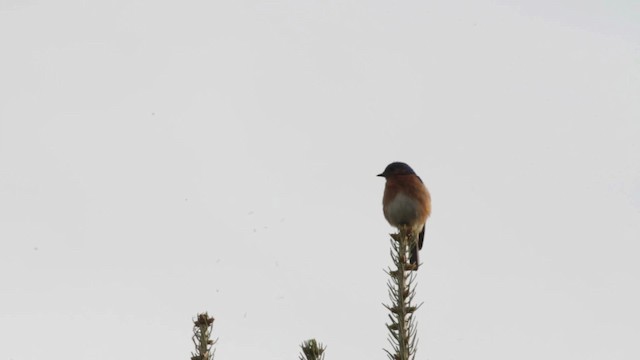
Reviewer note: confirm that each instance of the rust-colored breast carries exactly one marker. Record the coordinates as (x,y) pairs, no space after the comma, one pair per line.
(411,186)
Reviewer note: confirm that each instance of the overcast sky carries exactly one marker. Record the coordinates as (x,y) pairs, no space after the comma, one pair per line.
(159,159)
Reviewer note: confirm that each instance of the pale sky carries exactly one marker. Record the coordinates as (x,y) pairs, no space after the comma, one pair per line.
(160,159)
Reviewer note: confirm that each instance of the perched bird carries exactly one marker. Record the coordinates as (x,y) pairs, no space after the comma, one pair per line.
(406,202)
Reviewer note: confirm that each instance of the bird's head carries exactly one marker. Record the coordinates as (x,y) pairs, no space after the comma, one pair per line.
(397,168)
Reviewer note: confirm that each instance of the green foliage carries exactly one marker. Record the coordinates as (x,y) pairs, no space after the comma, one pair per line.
(312,350)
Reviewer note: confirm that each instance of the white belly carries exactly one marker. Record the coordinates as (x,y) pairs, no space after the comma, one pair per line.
(402,210)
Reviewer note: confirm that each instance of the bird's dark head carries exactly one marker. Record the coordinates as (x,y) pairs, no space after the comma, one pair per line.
(397,168)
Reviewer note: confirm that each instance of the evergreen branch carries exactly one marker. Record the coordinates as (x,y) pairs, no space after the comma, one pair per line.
(202,327)
(401,289)
(312,350)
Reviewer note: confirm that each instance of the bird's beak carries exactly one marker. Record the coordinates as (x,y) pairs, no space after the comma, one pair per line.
(380,175)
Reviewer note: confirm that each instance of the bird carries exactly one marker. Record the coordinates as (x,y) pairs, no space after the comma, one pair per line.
(406,203)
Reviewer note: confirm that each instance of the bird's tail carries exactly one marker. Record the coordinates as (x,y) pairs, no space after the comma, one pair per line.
(414,258)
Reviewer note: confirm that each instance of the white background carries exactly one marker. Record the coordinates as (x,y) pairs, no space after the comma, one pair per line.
(158,159)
